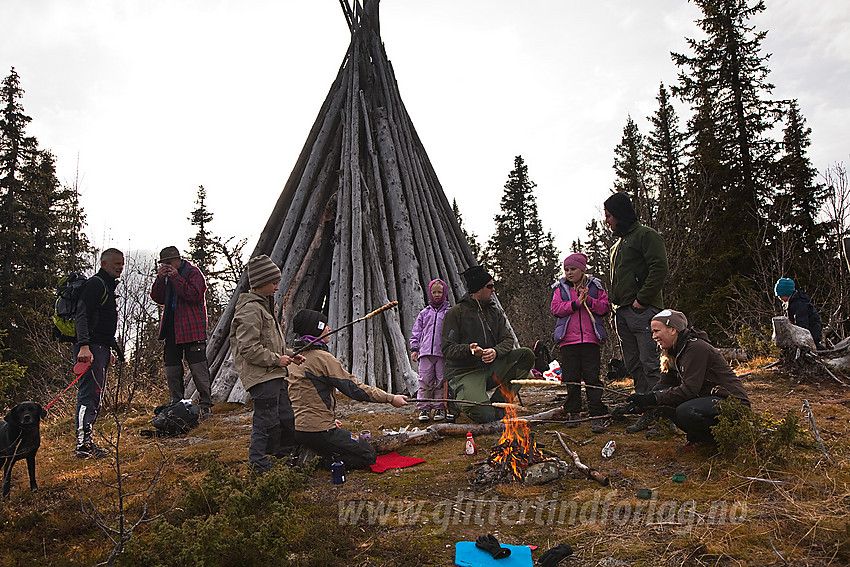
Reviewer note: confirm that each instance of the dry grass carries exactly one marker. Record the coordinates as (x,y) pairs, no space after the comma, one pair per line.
(732,521)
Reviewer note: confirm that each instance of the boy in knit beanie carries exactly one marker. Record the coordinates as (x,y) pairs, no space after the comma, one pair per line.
(259,352)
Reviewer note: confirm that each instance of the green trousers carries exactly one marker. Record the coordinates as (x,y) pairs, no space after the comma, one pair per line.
(472,385)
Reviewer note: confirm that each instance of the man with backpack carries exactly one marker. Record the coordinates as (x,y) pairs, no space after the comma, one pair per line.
(180,288)
(96,322)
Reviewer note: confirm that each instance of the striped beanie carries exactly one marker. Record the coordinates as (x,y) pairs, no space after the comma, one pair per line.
(261,270)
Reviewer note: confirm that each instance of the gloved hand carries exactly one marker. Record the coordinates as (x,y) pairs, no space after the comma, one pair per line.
(490,544)
(643,400)
(620,411)
(555,555)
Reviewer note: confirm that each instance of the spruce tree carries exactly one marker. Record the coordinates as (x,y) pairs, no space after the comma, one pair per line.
(664,152)
(471,237)
(798,196)
(725,82)
(596,248)
(40,236)
(523,258)
(203,249)
(630,167)
(16,149)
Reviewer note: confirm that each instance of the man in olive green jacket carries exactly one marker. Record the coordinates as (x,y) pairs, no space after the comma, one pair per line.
(479,349)
(259,352)
(638,269)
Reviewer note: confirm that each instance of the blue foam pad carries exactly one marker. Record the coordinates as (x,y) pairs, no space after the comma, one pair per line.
(467,555)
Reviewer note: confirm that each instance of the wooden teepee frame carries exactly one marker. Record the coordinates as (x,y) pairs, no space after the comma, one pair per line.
(362,220)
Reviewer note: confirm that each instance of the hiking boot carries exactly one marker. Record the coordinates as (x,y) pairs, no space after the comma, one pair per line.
(205,414)
(90,451)
(306,456)
(450,416)
(662,428)
(643,422)
(571,423)
(439,414)
(424,416)
(597,425)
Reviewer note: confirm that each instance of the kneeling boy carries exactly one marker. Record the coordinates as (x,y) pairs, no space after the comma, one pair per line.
(312,387)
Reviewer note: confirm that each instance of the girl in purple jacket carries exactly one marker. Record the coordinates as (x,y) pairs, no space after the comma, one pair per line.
(579,302)
(426,347)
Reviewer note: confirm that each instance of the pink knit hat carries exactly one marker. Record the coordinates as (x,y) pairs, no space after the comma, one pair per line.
(577,260)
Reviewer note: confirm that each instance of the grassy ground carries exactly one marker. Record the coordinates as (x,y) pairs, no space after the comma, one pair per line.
(415,516)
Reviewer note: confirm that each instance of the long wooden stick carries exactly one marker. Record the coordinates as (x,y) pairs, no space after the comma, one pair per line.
(815,432)
(591,473)
(552,383)
(488,404)
(579,420)
(381,309)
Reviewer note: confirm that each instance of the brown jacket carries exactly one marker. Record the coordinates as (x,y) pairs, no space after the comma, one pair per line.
(312,385)
(700,370)
(256,340)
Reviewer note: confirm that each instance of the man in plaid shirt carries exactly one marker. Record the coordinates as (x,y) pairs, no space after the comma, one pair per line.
(180,288)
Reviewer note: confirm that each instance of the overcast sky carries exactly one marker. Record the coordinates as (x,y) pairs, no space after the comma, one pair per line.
(156,97)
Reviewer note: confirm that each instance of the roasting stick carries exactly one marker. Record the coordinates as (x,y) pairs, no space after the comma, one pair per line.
(530,382)
(389,305)
(489,404)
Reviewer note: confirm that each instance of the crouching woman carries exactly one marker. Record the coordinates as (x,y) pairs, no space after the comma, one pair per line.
(696,379)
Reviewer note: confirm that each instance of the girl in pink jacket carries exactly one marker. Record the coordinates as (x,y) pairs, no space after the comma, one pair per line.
(426,346)
(579,302)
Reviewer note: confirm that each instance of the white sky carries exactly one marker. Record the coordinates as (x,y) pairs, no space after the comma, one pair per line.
(157,97)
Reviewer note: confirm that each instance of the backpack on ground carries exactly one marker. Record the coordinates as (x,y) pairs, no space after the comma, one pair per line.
(542,356)
(68,291)
(175,418)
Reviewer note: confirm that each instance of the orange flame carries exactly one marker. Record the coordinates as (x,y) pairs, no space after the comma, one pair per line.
(515,443)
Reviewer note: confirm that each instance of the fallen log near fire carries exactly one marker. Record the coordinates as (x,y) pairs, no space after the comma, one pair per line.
(387,443)
(590,472)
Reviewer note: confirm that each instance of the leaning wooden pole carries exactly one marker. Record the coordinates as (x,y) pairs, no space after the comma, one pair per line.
(354,223)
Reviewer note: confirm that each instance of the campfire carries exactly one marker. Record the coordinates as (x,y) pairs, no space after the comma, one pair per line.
(516,449)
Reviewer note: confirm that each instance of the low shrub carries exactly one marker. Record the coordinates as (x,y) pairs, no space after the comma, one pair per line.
(747,436)
(235,520)
(757,342)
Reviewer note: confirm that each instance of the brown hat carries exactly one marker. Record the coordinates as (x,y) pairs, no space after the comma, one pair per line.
(168,253)
(261,270)
(672,318)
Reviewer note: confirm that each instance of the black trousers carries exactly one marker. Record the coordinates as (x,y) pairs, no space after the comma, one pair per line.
(695,417)
(354,452)
(581,362)
(273,425)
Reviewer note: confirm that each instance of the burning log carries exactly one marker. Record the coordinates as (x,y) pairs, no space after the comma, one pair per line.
(591,473)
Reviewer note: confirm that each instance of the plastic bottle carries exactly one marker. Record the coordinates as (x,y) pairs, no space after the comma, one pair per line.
(608,449)
(338,470)
(470,449)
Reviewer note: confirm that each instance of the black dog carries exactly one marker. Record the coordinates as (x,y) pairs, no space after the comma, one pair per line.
(20,438)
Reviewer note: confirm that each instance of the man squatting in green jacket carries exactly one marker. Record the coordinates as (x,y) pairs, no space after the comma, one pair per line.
(479,350)
(638,269)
